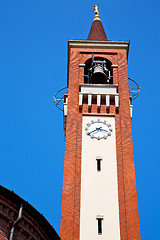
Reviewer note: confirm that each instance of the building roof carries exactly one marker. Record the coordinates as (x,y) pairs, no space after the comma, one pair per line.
(31,211)
(97,31)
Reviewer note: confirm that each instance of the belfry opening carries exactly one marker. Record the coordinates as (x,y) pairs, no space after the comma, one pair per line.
(98,70)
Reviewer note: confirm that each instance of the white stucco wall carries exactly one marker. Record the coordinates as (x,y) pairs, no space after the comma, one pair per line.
(99,190)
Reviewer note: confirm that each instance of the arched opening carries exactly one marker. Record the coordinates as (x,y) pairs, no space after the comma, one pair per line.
(98,70)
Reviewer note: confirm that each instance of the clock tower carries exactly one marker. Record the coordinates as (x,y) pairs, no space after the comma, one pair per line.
(99,198)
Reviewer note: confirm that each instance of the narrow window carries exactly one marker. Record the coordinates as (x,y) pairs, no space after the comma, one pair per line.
(99,221)
(99,163)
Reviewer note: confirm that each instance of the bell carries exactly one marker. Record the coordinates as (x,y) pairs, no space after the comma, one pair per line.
(99,76)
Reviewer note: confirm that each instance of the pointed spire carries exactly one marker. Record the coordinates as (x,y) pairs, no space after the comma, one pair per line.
(97,31)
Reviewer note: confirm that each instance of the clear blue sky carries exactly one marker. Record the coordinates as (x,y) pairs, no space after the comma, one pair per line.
(33,66)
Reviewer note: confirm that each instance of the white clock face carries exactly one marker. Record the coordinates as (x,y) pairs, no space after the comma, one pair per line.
(98,129)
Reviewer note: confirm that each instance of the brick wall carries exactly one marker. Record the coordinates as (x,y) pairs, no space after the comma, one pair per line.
(128,208)
(2,235)
(26,229)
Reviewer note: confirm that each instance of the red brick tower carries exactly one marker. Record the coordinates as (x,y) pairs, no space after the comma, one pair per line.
(99,186)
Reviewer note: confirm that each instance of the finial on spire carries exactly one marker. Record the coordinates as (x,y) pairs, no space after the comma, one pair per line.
(97,32)
(96,11)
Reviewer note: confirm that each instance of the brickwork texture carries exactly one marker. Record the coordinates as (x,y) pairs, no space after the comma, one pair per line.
(128,208)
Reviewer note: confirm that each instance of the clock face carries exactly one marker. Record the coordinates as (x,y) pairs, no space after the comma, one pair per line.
(98,129)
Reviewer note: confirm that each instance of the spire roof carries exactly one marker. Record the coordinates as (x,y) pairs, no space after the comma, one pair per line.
(97,31)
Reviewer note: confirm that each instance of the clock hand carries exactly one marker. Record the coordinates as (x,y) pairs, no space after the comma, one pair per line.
(93,131)
(105,130)
(97,129)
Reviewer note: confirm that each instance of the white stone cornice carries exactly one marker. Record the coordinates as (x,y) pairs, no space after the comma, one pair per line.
(99,44)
